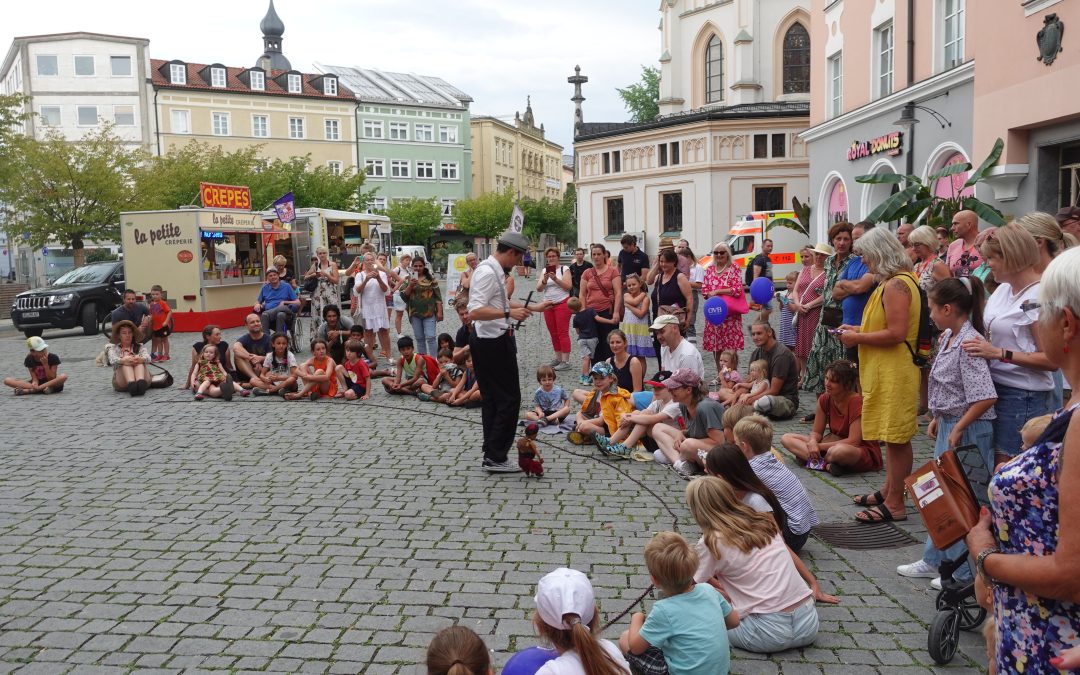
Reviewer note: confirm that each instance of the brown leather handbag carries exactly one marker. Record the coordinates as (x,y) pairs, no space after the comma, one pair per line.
(944,498)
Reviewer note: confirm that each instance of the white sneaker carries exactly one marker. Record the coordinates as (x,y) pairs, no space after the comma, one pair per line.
(920,569)
(936,583)
(683,469)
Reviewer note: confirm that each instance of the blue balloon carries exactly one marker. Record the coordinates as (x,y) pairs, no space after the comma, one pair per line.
(715,310)
(528,661)
(761,290)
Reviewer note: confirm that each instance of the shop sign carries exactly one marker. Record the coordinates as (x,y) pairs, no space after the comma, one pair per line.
(167,234)
(216,196)
(889,144)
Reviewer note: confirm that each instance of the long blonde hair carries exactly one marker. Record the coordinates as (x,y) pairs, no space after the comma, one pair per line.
(723,519)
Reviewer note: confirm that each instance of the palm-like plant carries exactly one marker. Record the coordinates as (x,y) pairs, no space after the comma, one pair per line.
(917,202)
(801,225)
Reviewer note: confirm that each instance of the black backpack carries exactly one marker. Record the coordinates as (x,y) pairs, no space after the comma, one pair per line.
(920,354)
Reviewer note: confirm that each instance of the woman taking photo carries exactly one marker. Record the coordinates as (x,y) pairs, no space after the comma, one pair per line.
(1025,549)
(1020,369)
(826,347)
(889,377)
(742,553)
(424,303)
(555,283)
(807,303)
(325,273)
(128,358)
(601,289)
(369,304)
(722,279)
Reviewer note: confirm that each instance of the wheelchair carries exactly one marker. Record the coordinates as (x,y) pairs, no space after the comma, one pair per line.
(958,609)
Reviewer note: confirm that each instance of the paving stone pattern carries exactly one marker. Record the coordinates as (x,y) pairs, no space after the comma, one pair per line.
(166,535)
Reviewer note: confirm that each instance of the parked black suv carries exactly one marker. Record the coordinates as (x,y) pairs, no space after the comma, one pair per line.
(84,297)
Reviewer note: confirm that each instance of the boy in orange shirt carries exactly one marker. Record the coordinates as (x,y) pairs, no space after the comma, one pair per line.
(161,324)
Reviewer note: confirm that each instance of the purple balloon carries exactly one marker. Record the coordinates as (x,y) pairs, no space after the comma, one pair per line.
(528,661)
(715,310)
(761,290)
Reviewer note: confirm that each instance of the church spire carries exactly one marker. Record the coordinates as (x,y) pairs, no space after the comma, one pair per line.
(272,28)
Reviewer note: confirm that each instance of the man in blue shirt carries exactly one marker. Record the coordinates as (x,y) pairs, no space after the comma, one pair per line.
(277,302)
(854,286)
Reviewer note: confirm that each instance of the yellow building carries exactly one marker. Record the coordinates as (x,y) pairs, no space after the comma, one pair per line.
(515,156)
(290,113)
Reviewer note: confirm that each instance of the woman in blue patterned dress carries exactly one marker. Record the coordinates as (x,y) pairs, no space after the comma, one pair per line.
(1028,549)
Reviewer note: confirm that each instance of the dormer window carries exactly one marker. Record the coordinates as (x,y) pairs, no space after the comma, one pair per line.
(330,86)
(177,73)
(258,80)
(294,84)
(217,77)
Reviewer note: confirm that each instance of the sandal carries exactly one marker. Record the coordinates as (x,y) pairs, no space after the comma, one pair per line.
(199,397)
(809,418)
(640,454)
(864,500)
(877,514)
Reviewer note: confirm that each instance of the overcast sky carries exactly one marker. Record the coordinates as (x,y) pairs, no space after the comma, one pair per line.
(497,51)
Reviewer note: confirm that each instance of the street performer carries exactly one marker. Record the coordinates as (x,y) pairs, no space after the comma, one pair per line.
(494,352)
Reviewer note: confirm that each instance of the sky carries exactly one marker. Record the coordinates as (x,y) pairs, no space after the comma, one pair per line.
(497,51)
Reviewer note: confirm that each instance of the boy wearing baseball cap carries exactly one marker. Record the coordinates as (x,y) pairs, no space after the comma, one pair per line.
(44,378)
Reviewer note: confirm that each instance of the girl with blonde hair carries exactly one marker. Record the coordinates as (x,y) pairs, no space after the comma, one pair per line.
(742,552)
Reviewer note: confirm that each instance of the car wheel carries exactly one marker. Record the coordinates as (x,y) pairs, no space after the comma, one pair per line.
(89,319)
(32,332)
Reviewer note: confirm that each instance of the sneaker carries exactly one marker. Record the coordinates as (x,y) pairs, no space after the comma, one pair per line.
(920,569)
(561,366)
(314,396)
(618,450)
(22,392)
(426,398)
(153,357)
(585,380)
(660,458)
(935,583)
(540,423)
(555,363)
(244,392)
(683,469)
(259,391)
(499,467)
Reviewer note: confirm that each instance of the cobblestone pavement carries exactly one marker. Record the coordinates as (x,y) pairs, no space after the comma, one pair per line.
(165,535)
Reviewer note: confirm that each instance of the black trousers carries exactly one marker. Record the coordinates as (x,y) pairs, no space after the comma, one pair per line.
(495,362)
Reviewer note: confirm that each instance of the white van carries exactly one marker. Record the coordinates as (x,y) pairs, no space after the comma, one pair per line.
(747,234)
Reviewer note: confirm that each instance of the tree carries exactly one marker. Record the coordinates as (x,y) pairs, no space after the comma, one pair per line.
(917,201)
(485,216)
(414,220)
(546,216)
(642,98)
(71,191)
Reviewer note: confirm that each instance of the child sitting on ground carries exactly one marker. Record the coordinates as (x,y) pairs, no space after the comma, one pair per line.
(42,365)
(467,391)
(368,354)
(686,632)
(449,375)
(753,435)
(756,380)
(457,650)
(161,324)
(567,617)
(319,374)
(584,322)
(732,416)
(552,404)
(281,369)
(600,412)
(529,458)
(410,372)
(729,370)
(210,377)
(636,425)
(354,377)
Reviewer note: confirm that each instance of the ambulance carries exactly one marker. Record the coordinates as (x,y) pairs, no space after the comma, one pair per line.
(746,235)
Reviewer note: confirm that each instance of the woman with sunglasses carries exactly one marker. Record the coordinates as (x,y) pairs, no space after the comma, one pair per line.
(722,278)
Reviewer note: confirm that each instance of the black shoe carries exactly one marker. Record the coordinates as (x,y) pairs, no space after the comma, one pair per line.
(133,388)
(499,467)
(227,389)
(141,386)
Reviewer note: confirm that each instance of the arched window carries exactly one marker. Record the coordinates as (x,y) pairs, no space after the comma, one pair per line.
(952,187)
(714,71)
(838,204)
(796,60)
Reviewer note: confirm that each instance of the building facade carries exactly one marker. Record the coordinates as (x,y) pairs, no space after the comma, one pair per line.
(413,136)
(734,97)
(78,81)
(515,157)
(879,107)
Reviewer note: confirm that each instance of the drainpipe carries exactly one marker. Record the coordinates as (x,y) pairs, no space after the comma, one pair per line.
(910,161)
(157,125)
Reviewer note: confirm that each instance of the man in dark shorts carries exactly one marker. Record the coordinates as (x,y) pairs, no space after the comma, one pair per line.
(135,312)
(251,349)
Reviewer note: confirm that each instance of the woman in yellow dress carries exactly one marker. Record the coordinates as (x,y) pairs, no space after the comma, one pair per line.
(889,378)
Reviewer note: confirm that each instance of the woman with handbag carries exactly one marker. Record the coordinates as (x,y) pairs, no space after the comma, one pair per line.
(601,289)
(671,292)
(724,280)
(825,347)
(321,280)
(809,290)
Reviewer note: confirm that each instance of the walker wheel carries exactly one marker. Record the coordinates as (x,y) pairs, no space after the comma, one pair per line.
(971,614)
(944,636)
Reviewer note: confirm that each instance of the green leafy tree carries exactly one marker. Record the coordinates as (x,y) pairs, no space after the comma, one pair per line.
(642,99)
(485,216)
(917,202)
(414,220)
(71,191)
(547,216)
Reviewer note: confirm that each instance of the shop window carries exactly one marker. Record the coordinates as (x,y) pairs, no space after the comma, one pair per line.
(613,208)
(769,198)
(671,205)
(232,258)
(838,204)
(796,71)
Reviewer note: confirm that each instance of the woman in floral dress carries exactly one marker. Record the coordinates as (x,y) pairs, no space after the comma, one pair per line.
(826,347)
(722,278)
(327,291)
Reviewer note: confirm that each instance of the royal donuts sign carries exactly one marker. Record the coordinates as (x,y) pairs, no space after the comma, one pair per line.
(889,144)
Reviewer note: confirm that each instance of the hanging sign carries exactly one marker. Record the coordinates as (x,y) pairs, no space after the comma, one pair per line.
(216,196)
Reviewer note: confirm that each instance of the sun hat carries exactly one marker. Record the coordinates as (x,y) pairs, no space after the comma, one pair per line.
(36,344)
(683,377)
(664,320)
(603,369)
(514,240)
(565,591)
(823,248)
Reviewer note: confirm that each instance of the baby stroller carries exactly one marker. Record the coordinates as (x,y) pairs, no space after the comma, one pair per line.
(958,610)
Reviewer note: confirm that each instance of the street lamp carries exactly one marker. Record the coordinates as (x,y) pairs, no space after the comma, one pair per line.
(908,121)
